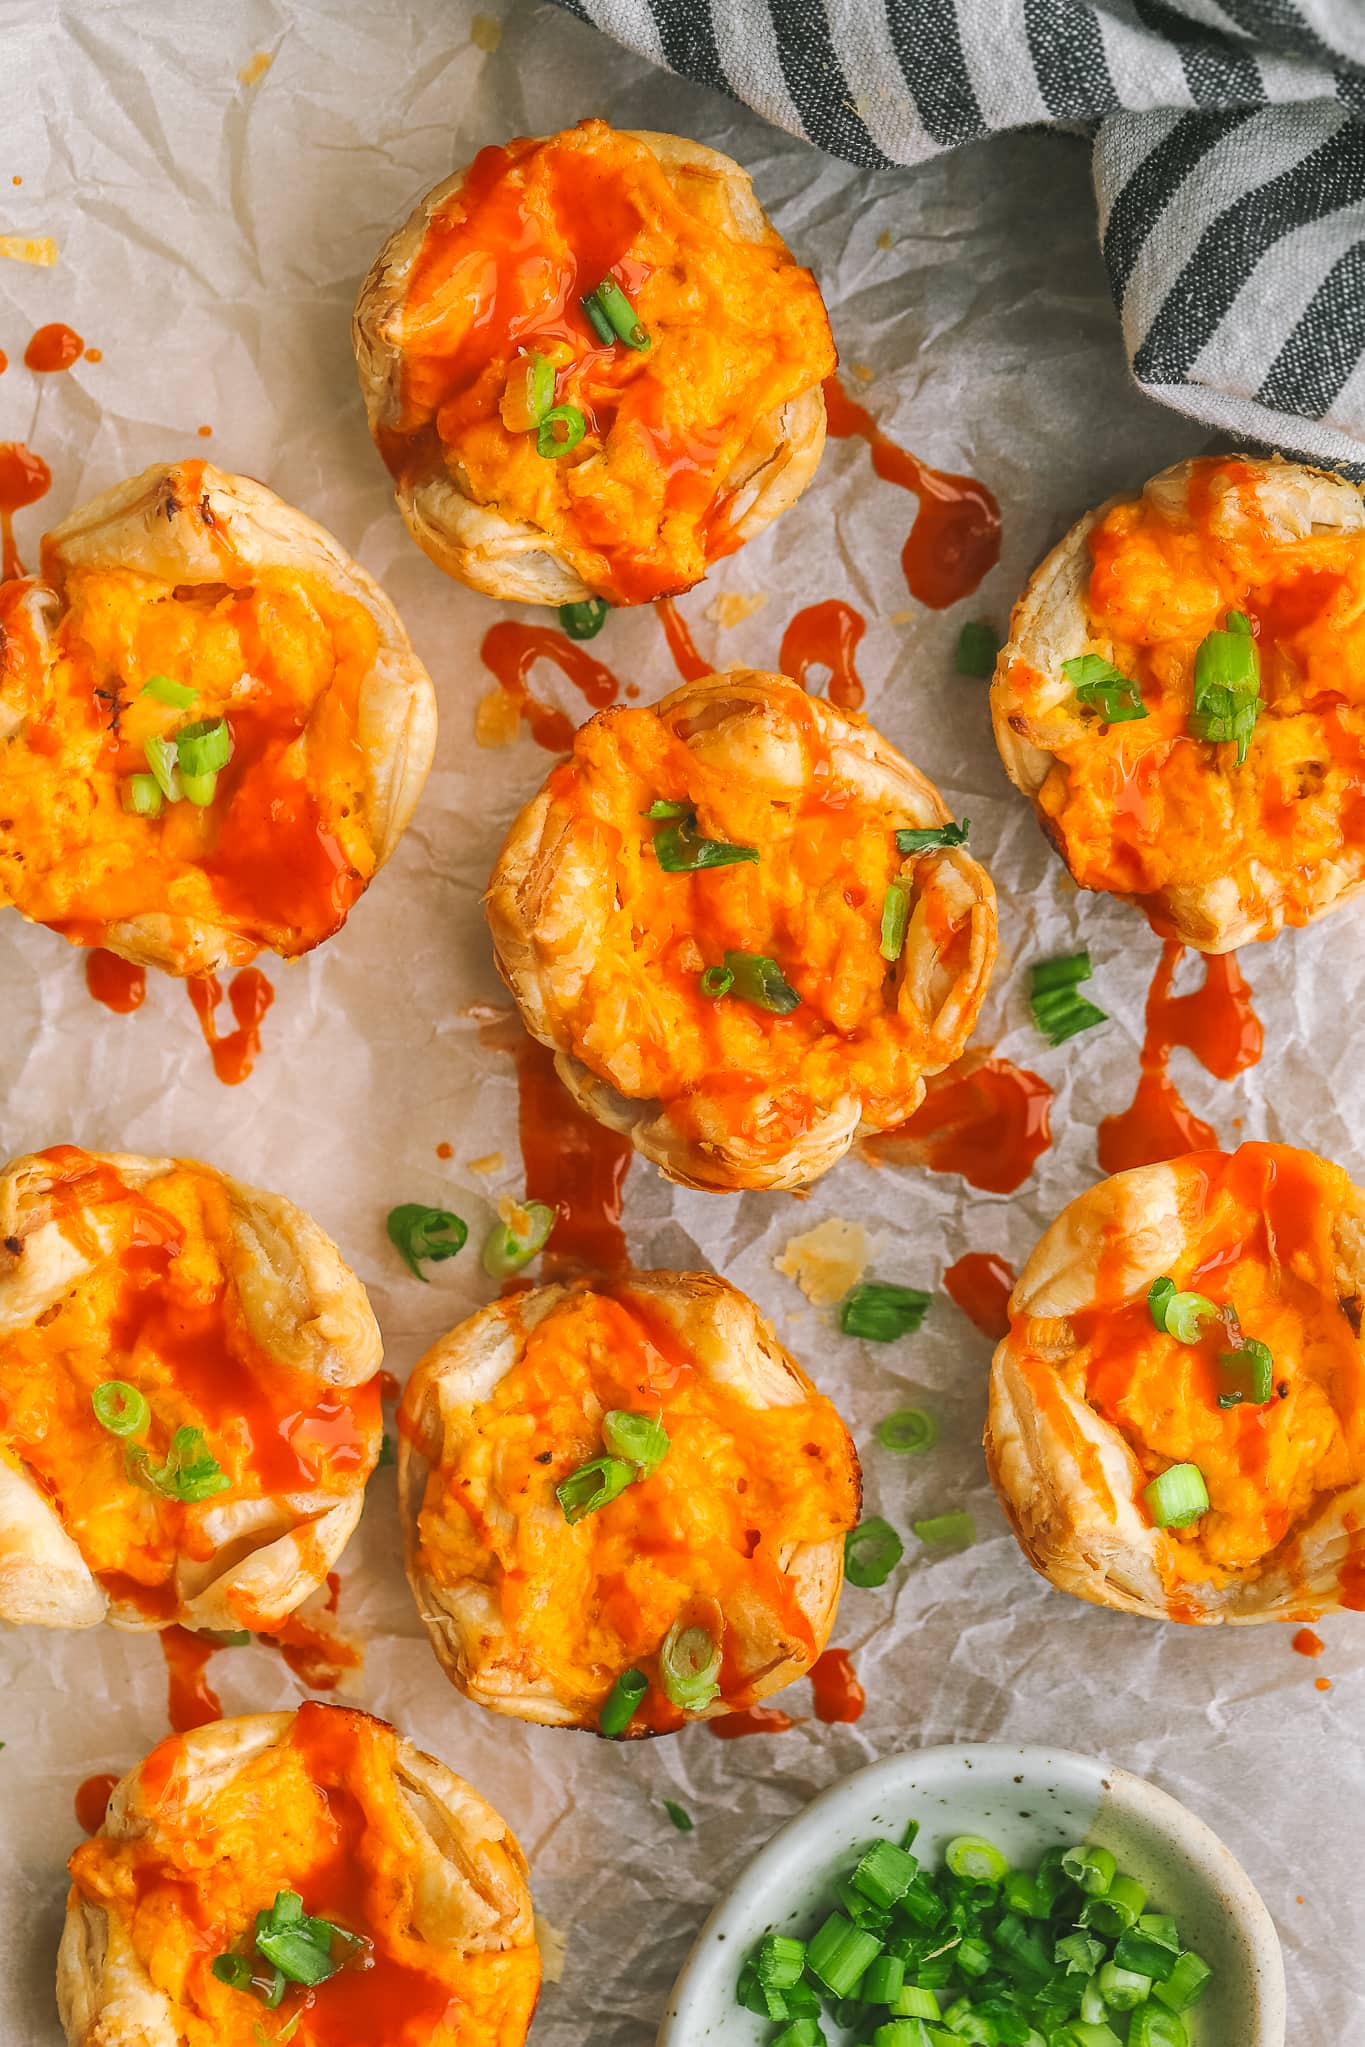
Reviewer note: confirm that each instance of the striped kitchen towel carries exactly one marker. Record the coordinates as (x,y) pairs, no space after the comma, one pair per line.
(1229,160)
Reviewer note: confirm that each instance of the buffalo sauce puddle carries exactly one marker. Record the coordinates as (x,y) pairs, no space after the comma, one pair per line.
(24,478)
(54,347)
(192,1701)
(984,1118)
(981,1285)
(1218,1024)
(955,539)
(250,996)
(121,985)
(826,636)
(837,1692)
(573,1163)
(92,1801)
(511,651)
(318,1656)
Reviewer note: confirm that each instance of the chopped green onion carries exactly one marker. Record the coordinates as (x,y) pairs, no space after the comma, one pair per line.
(200,790)
(946,1531)
(506,1249)
(884,1980)
(884,1873)
(1160,1294)
(915,2002)
(1177,1496)
(622,1702)
(1227,685)
(757,979)
(779,1960)
(1024,1893)
(895,918)
(1186,1984)
(715,982)
(298,1945)
(689,1665)
(1140,1949)
(1048,975)
(624,320)
(1181,1315)
(592,1486)
(880,1313)
(1118,1909)
(584,620)
(225,1638)
(1102,687)
(1123,1989)
(597,319)
(1155,2027)
(142,796)
(161,757)
(1081,1952)
(549,441)
(418,1233)
(804,2031)
(973,1957)
(1058,1011)
(680,1816)
(662,806)
(1237,622)
(839,1952)
(909,2033)
(1248,1374)
(1081,2034)
(908,1432)
(177,694)
(977,647)
(929,839)
(1094,1869)
(203,748)
(640,1438)
(190,1472)
(120,1408)
(680,849)
(872,1551)
(540,396)
(978,1860)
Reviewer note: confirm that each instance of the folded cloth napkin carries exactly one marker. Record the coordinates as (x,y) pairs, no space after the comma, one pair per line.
(1229,160)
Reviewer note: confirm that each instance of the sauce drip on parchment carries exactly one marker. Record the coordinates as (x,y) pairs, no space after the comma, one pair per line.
(1217,1023)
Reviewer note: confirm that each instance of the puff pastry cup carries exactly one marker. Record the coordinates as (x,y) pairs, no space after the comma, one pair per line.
(605,949)
(422,1887)
(235,607)
(471,322)
(737,1532)
(219,1480)
(1090,1401)
(1217,853)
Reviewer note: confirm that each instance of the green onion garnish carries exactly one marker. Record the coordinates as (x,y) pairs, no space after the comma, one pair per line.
(1177,1496)
(620,314)
(142,796)
(1117,1910)
(199,789)
(872,1551)
(977,646)
(1122,1989)
(120,1408)
(1102,687)
(1094,1869)
(177,694)
(689,1665)
(593,1485)
(1151,1948)
(680,849)
(978,1860)
(640,1438)
(622,1702)
(1227,686)
(597,319)
(884,1873)
(663,807)
(1159,1294)
(295,1947)
(386,1456)
(540,394)
(1058,1011)
(1181,1315)
(419,1233)
(1248,1374)
(779,1960)
(895,918)
(946,1531)
(160,755)
(203,748)
(507,1250)
(1153,2027)
(680,1816)
(265,1983)
(839,1952)
(1186,1983)
(190,1472)
(714,982)
(584,620)
(550,440)
(756,978)
(908,1431)
(914,839)
(881,1313)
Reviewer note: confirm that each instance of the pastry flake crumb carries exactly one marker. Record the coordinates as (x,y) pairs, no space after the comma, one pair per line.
(39,249)
(491,1162)
(497,719)
(553,1943)
(732,607)
(254,70)
(827,1261)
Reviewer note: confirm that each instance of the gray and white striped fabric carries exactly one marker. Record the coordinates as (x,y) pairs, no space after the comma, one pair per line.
(1229,160)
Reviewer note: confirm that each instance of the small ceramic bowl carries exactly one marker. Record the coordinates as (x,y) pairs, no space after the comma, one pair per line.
(1024,1800)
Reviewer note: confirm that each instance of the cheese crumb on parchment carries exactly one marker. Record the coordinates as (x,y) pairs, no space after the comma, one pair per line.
(485,33)
(827,1261)
(253,72)
(732,607)
(491,1162)
(553,1943)
(497,719)
(40,249)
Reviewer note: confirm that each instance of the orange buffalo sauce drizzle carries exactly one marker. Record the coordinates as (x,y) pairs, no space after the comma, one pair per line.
(121,985)
(1306,1643)
(250,996)
(192,1701)
(54,347)
(835,1687)
(981,1285)
(750,1720)
(1214,1021)
(511,651)
(688,662)
(318,1656)
(955,539)
(984,1118)
(24,478)
(92,1800)
(826,636)
(574,1164)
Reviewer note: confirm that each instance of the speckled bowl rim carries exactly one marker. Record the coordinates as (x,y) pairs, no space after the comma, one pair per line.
(797,1841)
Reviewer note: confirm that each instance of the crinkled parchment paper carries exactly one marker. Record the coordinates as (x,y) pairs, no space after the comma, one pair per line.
(212,235)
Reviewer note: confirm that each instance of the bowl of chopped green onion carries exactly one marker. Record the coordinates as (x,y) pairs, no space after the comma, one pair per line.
(1011,1897)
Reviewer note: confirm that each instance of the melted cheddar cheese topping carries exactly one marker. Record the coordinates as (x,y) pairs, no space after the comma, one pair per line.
(729,1070)
(158,1308)
(1260,1238)
(1141,807)
(281,853)
(737,330)
(320,1814)
(740,1487)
